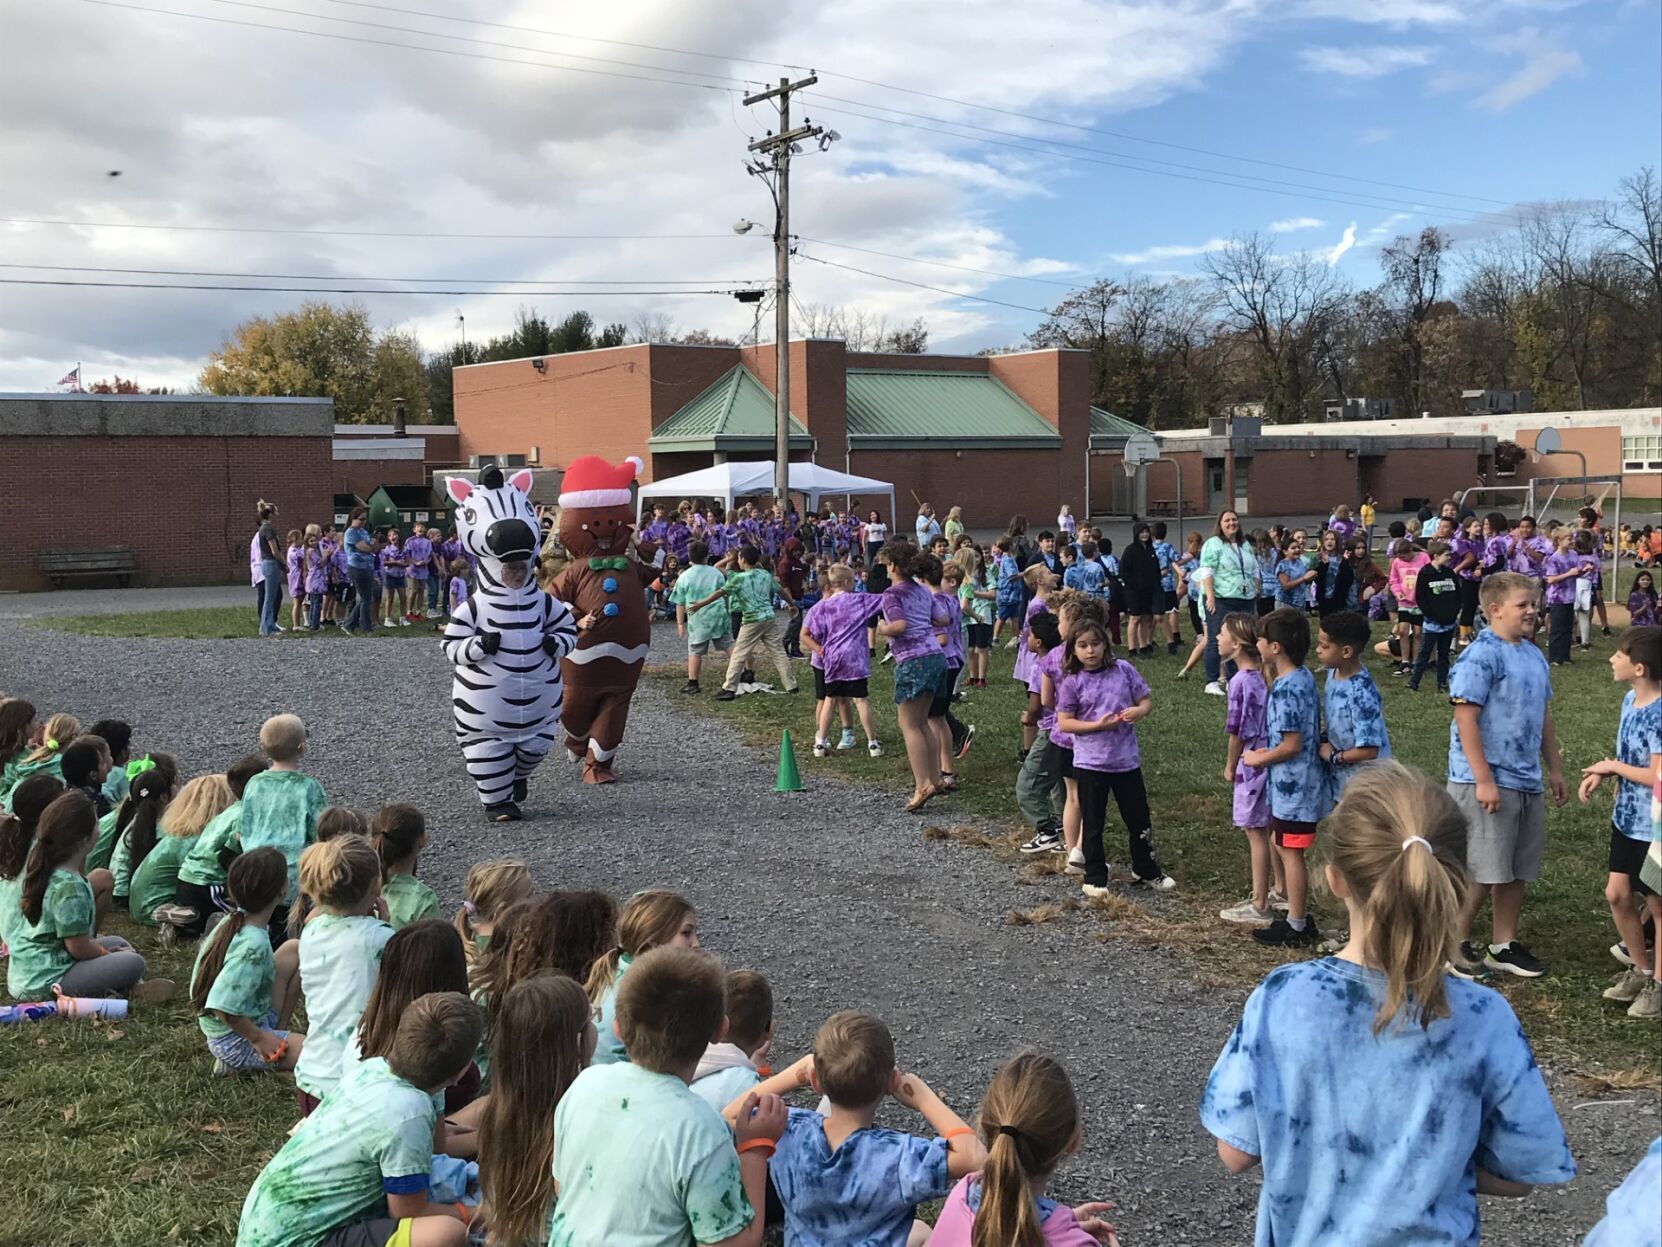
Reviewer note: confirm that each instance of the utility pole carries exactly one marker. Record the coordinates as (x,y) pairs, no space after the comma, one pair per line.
(781,146)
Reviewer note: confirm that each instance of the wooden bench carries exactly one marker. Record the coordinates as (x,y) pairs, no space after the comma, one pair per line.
(1162,506)
(61,565)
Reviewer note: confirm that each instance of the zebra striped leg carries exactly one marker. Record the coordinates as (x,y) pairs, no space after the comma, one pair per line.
(529,753)
(491,765)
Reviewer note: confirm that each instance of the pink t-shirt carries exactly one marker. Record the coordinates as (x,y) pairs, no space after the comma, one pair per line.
(957,1220)
(1404,574)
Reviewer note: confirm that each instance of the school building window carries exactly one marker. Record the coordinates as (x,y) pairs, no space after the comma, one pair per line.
(1642,454)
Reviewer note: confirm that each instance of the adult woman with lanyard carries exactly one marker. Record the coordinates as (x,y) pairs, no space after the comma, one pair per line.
(360,570)
(1233,586)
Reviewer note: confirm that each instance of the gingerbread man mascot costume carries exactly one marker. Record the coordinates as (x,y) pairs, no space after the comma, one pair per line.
(604,584)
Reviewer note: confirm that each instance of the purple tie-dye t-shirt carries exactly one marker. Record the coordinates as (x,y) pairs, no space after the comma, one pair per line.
(317,570)
(838,626)
(953,648)
(914,603)
(1089,695)
(418,557)
(1562,592)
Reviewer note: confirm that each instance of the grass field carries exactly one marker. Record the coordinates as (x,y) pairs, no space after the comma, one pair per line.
(203,623)
(1566,921)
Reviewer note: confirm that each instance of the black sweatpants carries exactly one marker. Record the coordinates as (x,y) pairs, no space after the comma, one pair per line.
(1561,637)
(1132,799)
(1468,602)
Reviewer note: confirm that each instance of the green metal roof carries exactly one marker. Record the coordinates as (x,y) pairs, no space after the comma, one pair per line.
(904,409)
(1107,424)
(736,413)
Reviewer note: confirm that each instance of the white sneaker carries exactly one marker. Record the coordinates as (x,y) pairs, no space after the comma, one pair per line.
(1627,986)
(1164,883)
(873,749)
(822,749)
(1247,914)
(1216,689)
(1094,890)
(1277,901)
(1648,1003)
(402,622)
(888,656)
(847,741)
(279,627)
(1076,862)
(433,612)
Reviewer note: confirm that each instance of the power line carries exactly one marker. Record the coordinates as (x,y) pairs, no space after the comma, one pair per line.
(961,268)
(359,233)
(516,294)
(973,298)
(484,281)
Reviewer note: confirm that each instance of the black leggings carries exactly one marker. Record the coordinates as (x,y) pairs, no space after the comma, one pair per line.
(1468,603)
(1561,639)
(1132,799)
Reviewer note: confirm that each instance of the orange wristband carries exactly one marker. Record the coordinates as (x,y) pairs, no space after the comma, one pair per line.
(282,1047)
(464,1212)
(756,1145)
(955,1132)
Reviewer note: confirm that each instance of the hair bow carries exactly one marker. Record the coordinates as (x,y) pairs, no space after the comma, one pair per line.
(613,564)
(138,766)
(50,743)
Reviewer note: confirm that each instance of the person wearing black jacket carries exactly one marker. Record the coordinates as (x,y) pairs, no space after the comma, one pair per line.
(1140,574)
(1335,576)
(1437,591)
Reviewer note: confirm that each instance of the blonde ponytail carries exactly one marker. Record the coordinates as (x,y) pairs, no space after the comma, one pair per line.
(339,873)
(1399,842)
(1029,1118)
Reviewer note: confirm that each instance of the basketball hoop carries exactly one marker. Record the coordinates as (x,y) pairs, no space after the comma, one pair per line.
(1130,467)
(1140,448)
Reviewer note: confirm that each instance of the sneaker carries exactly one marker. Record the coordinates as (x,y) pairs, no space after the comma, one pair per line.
(1278,901)
(873,749)
(1248,914)
(1620,953)
(1043,841)
(222,1070)
(434,612)
(969,739)
(1214,689)
(1514,958)
(1627,985)
(1160,883)
(1171,647)
(171,915)
(154,990)
(1183,674)
(847,741)
(727,694)
(822,749)
(1468,962)
(1281,933)
(1061,845)
(167,935)
(1605,631)
(691,686)
(279,627)
(1648,1003)
(1094,890)
(888,656)
(405,622)
(1076,862)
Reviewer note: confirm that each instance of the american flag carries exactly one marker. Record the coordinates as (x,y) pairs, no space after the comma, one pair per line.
(72,377)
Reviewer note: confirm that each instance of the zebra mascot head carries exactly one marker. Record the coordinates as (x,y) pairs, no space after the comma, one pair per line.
(496,523)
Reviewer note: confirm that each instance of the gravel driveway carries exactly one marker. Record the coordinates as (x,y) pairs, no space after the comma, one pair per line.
(834,894)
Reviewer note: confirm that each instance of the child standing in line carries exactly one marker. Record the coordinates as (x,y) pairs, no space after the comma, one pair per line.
(834,632)
(952,737)
(1039,789)
(314,574)
(234,983)
(155,880)
(1406,561)
(1009,594)
(458,584)
(750,592)
(1245,722)
(1559,572)
(394,568)
(655,918)
(1468,1112)
(357,1171)
(294,562)
(399,833)
(340,949)
(1353,714)
(729,1069)
(1298,788)
(418,558)
(280,805)
(976,598)
(202,875)
(1635,766)
(638,1153)
(1029,1125)
(1641,603)
(1586,586)
(1438,593)
(1502,729)
(843,1179)
(1098,705)
(707,629)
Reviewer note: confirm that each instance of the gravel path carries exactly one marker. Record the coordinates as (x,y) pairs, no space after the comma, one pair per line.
(833,893)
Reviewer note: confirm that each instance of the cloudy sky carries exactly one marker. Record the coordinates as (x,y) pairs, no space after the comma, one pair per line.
(1051,142)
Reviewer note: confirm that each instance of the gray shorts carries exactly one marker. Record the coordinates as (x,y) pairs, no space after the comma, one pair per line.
(1506,846)
(720,644)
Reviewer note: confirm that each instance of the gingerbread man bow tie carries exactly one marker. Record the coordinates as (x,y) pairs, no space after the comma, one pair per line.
(613,564)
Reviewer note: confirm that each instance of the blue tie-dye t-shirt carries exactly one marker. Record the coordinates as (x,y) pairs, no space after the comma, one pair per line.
(1638,739)
(1510,681)
(1374,1139)
(1298,786)
(1630,1218)
(865,1192)
(1353,716)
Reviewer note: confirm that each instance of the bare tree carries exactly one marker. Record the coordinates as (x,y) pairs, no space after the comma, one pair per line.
(1633,228)
(1414,278)
(654,327)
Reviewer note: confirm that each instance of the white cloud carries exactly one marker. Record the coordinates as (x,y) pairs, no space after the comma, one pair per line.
(1545,62)
(1374,134)
(1388,12)
(1365,62)
(1291,225)
(1378,232)
(1346,241)
(1169,251)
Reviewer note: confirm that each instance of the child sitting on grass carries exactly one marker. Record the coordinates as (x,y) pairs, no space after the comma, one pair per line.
(85,765)
(732,1067)
(1467,1111)
(280,805)
(201,887)
(233,985)
(1029,1125)
(356,1172)
(639,1157)
(655,918)
(1637,663)
(117,735)
(843,1179)
(340,951)
(155,878)
(17,837)
(399,833)
(151,794)
(46,756)
(488,892)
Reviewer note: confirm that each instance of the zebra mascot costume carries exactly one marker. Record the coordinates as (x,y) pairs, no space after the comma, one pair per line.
(505,642)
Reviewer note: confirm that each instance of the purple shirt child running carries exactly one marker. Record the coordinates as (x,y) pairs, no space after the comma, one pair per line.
(1089,695)
(915,604)
(838,626)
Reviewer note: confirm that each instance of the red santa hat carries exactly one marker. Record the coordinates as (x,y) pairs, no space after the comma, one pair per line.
(592,482)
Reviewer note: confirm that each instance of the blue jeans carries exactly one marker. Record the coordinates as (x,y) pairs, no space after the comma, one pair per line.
(1214,620)
(272,573)
(361,618)
(432,591)
(314,610)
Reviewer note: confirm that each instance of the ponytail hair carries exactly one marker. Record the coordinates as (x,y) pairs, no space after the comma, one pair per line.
(395,832)
(60,729)
(67,825)
(29,801)
(162,767)
(256,881)
(1399,843)
(339,873)
(489,890)
(648,920)
(146,798)
(1029,1120)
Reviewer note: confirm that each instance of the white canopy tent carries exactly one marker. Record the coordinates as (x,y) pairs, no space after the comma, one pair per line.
(729,481)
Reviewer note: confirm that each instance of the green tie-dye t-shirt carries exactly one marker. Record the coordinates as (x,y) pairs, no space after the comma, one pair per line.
(372,1138)
(38,957)
(339,957)
(243,987)
(280,809)
(201,865)
(157,878)
(408,900)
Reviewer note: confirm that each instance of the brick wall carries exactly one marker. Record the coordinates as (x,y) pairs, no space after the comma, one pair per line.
(183,505)
(362,476)
(991,486)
